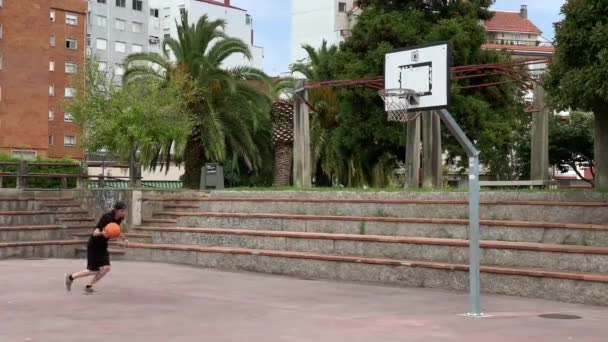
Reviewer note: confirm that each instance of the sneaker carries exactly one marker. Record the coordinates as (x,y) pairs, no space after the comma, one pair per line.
(68,282)
(89,290)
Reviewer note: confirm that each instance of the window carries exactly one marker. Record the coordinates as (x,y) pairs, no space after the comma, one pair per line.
(23,154)
(138,5)
(1,31)
(69,140)
(154,12)
(71,19)
(102,21)
(167,17)
(52,40)
(52,90)
(103,66)
(71,43)
(88,40)
(136,48)
(70,68)
(156,24)
(102,44)
(248,20)
(0,60)
(51,115)
(51,65)
(182,11)
(120,47)
(50,140)
(120,24)
(52,15)
(121,3)
(153,40)
(137,27)
(167,36)
(67,117)
(119,70)
(69,92)
(341,6)
(101,1)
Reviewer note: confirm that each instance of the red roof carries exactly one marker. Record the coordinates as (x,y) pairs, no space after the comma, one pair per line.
(510,22)
(522,48)
(222,4)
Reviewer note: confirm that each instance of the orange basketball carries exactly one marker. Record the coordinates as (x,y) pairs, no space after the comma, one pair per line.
(112,230)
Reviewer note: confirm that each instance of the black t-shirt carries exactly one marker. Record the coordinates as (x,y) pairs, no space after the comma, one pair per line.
(106,219)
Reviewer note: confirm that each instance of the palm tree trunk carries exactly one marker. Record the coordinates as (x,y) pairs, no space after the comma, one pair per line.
(193,161)
(282,164)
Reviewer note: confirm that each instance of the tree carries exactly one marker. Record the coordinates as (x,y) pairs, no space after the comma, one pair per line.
(579,71)
(282,131)
(128,119)
(228,108)
(571,143)
(490,116)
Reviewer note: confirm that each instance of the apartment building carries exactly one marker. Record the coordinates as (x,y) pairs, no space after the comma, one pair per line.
(117,28)
(313,21)
(239,24)
(41,46)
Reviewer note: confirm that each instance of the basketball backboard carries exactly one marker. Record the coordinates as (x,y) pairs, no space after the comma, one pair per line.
(424,69)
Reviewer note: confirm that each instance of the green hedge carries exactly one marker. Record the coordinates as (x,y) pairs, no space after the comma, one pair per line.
(39,182)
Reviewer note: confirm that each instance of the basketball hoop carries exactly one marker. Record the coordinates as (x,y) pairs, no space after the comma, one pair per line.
(397,103)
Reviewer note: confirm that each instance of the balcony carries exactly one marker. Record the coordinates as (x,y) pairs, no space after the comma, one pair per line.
(514,42)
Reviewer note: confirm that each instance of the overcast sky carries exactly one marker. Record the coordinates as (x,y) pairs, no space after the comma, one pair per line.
(272,24)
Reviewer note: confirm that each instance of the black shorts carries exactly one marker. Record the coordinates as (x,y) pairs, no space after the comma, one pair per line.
(97,256)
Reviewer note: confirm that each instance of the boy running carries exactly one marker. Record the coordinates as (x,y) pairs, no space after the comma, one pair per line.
(98,257)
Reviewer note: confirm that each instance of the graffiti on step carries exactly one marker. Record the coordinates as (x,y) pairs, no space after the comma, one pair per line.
(107,199)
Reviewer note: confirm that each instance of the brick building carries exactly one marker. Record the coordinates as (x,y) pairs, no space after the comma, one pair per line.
(42,43)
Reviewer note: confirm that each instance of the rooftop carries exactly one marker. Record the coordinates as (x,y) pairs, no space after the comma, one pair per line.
(510,22)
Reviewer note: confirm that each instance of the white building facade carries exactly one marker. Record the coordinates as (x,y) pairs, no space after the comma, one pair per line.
(239,24)
(313,21)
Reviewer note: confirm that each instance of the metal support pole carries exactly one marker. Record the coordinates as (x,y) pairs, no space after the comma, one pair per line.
(427,155)
(539,163)
(412,153)
(302,159)
(474,232)
(474,237)
(437,151)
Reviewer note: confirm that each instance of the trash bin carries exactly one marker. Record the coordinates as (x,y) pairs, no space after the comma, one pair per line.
(212,176)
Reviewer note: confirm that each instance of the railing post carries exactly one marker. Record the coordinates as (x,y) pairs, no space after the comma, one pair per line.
(83,179)
(101,183)
(64,183)
(1,181)
(22,175)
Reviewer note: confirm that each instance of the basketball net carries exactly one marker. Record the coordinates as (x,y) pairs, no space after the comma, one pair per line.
(397,103)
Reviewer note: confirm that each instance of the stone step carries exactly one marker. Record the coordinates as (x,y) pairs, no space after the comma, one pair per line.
(61,207)
(132,237)
(577,287)
(534,210)
(494,253)
(516,231)
(31,233)
(39,249)
(158,221)
(75,219)
(115,252)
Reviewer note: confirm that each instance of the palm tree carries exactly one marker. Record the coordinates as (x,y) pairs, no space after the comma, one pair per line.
(282,130)
(226,104)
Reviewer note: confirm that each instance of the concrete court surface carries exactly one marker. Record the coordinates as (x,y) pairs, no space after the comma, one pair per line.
(159,302)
